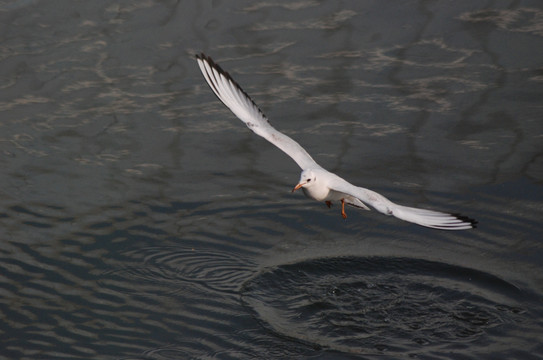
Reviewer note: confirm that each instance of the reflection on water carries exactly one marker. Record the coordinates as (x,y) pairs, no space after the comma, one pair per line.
(140,220)
(516,20)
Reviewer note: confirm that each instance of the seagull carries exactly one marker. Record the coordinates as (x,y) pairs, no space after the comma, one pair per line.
(316,182)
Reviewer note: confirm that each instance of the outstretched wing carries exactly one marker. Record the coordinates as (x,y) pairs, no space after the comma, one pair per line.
(237,100)
(429,218)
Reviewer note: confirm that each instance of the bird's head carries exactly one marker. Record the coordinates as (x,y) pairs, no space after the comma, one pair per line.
(307,179)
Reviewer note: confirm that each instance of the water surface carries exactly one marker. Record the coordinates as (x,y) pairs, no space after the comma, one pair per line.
(141,220)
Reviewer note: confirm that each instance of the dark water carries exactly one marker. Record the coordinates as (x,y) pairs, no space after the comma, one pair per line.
(141,220)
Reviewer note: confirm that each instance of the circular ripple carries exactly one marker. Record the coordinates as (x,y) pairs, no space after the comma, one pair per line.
(175,267)
(376,305)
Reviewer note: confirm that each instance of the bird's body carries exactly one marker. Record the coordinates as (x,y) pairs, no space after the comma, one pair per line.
(324,190)
(316,182)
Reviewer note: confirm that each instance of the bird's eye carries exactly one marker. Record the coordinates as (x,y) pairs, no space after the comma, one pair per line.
(308,180)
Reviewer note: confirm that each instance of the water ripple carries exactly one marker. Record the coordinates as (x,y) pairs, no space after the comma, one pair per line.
(171,267)
(388,305)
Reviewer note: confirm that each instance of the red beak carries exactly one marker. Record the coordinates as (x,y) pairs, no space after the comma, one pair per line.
(298,186)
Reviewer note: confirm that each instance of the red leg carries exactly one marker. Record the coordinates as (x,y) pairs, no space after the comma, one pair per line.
(328,203)
(343,209)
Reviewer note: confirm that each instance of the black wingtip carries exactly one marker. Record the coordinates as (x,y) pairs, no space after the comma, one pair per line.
(213,64)
(203,56)
(217,67)
(469,220)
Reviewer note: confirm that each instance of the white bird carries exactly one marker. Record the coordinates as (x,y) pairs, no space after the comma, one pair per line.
(316,182)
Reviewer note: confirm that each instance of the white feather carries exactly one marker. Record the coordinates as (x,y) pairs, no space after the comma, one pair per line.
(316,182)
